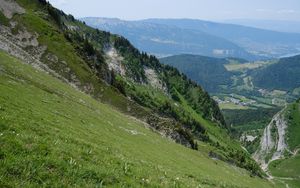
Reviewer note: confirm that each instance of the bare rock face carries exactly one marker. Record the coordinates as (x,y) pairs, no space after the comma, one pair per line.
(9,44)
(114,61)
(272,147)
(10,7)
(25,45)
(16,43)
(154,80)
(27,39)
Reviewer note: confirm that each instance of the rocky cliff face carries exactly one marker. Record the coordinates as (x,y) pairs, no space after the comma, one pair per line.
(272,144)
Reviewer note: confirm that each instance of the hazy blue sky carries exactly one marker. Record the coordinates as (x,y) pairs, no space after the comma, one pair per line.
(199,9)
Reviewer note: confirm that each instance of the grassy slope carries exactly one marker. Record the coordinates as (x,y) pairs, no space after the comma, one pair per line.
(288,170)
(36,20)
(216,134)
(56,43)
(294,126)
(54,135)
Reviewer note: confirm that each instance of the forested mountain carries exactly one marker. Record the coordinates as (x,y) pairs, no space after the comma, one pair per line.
(206,71)
(283,75)
(92,110)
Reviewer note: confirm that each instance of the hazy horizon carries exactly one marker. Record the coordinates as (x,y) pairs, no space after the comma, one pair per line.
(179,18)
(211,10)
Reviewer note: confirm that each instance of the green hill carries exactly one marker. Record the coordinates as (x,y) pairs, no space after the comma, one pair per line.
(208,72)
(282,75)
(293,116)
(81,113)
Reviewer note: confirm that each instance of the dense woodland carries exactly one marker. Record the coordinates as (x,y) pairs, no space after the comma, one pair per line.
(210,73)
(284,75)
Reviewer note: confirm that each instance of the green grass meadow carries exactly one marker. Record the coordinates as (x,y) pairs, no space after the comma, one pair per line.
(52,135)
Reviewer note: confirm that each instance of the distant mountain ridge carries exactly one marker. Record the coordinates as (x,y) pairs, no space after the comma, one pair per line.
(257,41)
(188,36)
(274,25)
(165,40)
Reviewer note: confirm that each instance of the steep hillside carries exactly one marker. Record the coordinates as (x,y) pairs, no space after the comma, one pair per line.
(293,116)
(246,106)
(52,135)
(91,60)
(278,152)
(165,40)
(273,142)
(258,87)
(108,68)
